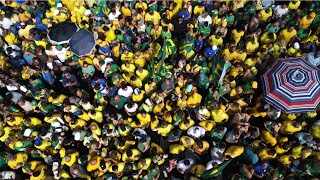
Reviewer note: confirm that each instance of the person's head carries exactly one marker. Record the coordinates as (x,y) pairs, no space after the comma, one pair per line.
(297,124)
(265,164)
(187,162)
(308,137)
(290,28)
(272,152)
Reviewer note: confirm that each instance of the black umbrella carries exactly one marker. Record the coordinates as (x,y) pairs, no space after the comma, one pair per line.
(82,42)
(62,32)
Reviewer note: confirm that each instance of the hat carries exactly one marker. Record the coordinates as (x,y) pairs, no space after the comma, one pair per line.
(254,85)
(189,88)
(214,47)
(136,91)
(296,45)
(77,136)
(203,111)
(59,47)
(87,12)
(22,24)
(55,12)
(148,102)
(59,5)
(27,132)
(37,141)
(140,22)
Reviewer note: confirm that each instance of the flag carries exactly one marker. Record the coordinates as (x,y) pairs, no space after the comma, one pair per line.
(217,67)
(209,174)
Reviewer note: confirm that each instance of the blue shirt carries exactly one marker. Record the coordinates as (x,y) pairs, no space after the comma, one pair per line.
(259,170)
(28,58)
(113,92)
(71,80)
(209,52)
(47,76)
(102,81)
(198,43)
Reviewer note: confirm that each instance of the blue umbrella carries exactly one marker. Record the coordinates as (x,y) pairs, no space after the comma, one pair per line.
(82,43)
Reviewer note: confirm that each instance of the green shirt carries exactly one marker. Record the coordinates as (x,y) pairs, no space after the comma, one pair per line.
(120,103)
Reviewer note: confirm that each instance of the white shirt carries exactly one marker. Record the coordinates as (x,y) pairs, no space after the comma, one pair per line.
(61,54)
(113,17)
(279,11)
(14,52)
(106,61)
(132,109)
(196,131)
(27,106)
(125,93)
(6,23)
(202,20)
(215,151)
(210,163)
(312,60)
(182,167)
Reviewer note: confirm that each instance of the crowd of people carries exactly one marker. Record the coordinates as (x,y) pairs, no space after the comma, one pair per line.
(171,90)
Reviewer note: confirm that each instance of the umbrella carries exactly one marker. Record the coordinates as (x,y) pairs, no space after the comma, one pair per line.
(82,42)
(292,85)
(62,32)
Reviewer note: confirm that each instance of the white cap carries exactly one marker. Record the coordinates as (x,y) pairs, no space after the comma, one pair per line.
(136,91)
(87,12)
(59,5)
(296,45)
(148,102)
(77,136)
(55,12)
(27,132)
(214,47)
(203,111)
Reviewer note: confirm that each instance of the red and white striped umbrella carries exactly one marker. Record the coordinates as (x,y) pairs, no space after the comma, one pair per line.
(292,85)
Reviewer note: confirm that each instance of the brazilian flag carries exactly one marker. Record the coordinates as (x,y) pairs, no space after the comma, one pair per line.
(217,67)
(209,174)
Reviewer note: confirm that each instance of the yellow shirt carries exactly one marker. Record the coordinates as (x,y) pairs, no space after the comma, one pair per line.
(176,148)
(285,159)
(234,151)
(197,10)
(186,144)
(214,41)
(21,157)
(288,128)
(295,6)
(129,69)
(7,131)
(142,75)
(267,137)
(207,125)
(265,156)
(288,35)
(127,58)
(155,18)
(252,47)
(219,115)
(125,11)
(25,32)
(164,131)
(237,35)
(265,15)
(155,34)
(73,159)
(305,22)
(11,39)
(141,5)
